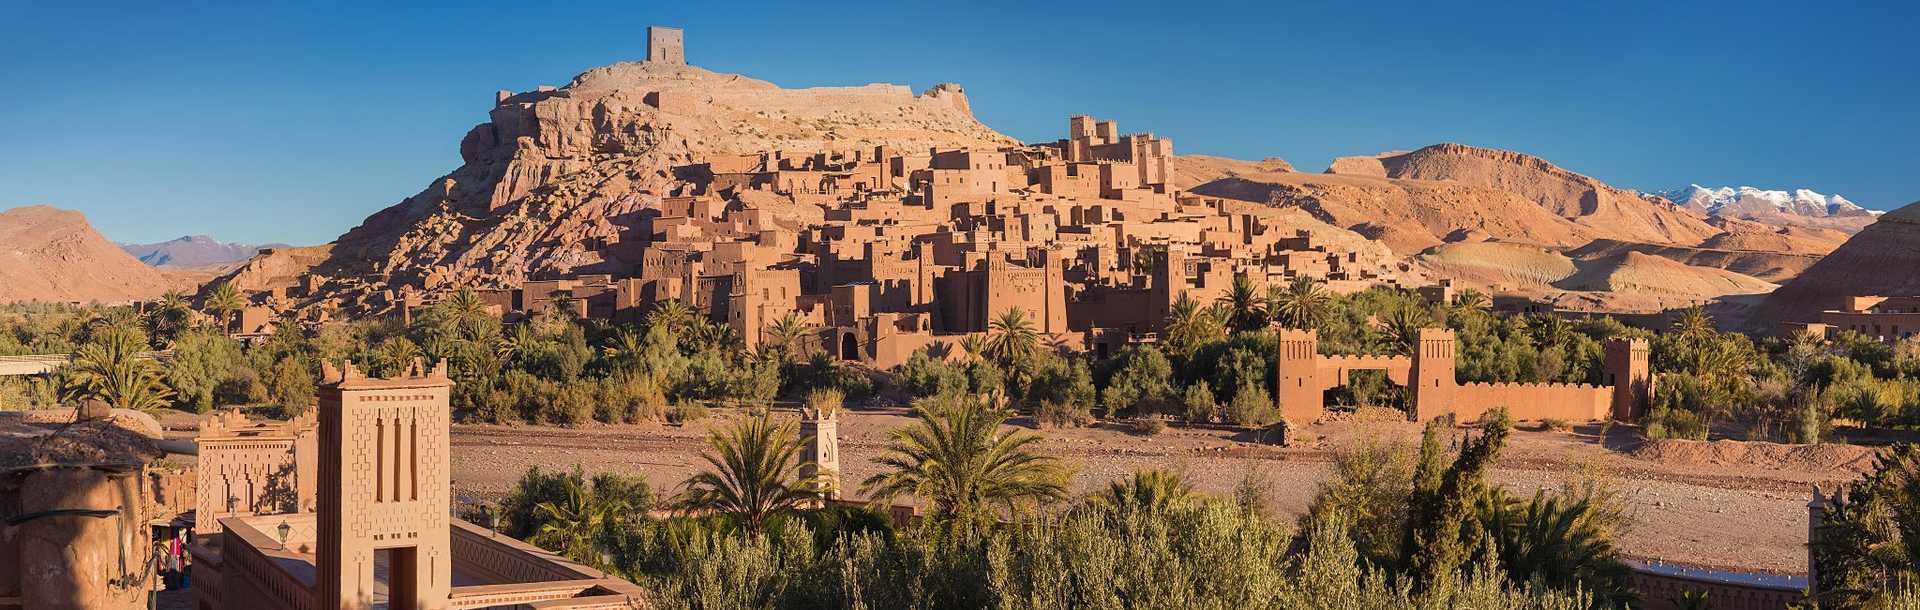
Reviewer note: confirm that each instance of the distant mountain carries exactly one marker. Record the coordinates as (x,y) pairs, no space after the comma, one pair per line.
(193,251)
(49,254)
(1745,201)
(1798,208)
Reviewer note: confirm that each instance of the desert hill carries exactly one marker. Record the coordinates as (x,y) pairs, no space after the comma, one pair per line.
(1409,215)
(1570,195)
(50,254)
(194,252)
(1193,170)
(1615,280)
(1883,259)
(556,167)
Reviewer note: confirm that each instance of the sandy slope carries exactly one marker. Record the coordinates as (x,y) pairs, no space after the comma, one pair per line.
(50,254)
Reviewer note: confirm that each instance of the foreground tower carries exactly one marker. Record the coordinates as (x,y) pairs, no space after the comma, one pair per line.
(820,444)
(1626,368)
(383,488)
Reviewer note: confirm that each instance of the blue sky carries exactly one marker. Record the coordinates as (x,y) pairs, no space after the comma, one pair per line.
(293,123)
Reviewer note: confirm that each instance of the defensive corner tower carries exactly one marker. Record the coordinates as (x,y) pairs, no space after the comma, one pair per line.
(383,488)
(666,45)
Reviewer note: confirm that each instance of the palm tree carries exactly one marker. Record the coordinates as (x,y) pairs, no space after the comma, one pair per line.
(709,335)
(1556,540)
(624,350)
(170,315)
(1471,300)
(1151,490)
(397,353)
(1303,304)
(754,474)
(1190,326)
(1694,324)
(673,314)
(1403,330)
(975,345)
(1244,306)
(518,342)
(1013,337)
(786,334)
(222,302)
(572,526)
(110,369)
(956,457)
(1550,330)
(465,306)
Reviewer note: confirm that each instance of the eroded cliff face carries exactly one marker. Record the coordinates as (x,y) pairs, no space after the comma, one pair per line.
(556,174)
(1883,259)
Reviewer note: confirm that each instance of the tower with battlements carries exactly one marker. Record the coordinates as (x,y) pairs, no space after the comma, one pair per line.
(383,489)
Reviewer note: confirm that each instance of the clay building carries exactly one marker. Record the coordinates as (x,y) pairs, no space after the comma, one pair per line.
(1889,319)
(883,250)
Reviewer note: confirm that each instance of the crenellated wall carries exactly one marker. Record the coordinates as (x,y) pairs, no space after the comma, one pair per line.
(1533,401)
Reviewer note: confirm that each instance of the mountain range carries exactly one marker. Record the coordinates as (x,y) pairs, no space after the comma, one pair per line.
(194,252)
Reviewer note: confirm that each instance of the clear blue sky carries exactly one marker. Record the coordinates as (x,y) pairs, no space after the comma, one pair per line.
(292,124)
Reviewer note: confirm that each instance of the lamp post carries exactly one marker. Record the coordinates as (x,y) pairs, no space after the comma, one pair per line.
(284,530)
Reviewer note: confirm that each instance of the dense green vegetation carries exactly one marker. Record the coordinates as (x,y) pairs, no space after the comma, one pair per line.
(1001,532)
(1213,363)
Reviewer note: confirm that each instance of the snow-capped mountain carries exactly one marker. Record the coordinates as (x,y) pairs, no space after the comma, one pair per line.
(1747,201)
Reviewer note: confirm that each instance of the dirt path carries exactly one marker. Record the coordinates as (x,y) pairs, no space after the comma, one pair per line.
(1724,516)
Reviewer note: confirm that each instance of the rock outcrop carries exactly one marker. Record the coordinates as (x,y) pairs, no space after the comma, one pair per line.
(50,254)
(556,169)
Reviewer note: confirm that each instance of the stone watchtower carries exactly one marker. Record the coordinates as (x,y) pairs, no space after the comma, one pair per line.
(666,45)
(820,448)
(383,488)
(1431,379)
(1298,395)
(1627,372)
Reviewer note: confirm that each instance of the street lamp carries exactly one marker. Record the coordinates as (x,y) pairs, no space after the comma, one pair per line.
(284,529)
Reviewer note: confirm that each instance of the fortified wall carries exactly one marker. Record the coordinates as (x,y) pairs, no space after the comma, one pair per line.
(1428,374)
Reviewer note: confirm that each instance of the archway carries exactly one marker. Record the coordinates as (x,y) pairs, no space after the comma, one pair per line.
(849,347)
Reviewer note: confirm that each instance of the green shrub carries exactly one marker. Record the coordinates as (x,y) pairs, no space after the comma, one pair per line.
(685,412)
(924,374)
(1198,405)
(1147,425)
(1665,422)
(1251,406)
(1062,415)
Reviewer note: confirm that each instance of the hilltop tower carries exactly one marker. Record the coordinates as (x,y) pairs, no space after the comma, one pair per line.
(1432,377)
(1627,372)
(383,488)
(666,45)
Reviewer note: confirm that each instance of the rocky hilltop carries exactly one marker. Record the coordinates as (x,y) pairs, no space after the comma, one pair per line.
(554,168)
(194,252)
(1883,259)
(50,254)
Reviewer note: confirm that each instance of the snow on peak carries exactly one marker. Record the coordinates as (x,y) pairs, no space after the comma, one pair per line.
(1745,200)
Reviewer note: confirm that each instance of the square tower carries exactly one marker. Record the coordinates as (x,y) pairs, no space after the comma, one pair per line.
(820,449)
(1627,371)
(1432,378)
(666,45)
(384,488)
